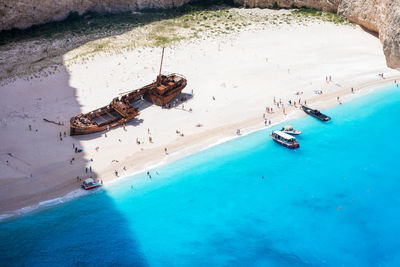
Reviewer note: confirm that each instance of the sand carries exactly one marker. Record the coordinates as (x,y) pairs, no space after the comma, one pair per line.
(233,79)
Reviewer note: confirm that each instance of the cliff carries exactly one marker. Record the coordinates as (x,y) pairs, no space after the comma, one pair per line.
(380,16)
(25,13)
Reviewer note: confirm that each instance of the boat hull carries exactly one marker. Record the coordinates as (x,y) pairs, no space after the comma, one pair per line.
(91,187)
(285,144)
(315,113)
(292,132)
(74,130)
(162,100)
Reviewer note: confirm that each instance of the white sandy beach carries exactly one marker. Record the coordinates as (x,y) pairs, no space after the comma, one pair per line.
(242,71)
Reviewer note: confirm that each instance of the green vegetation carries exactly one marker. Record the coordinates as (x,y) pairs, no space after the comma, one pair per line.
(316,14)
(79,37)
(102,24)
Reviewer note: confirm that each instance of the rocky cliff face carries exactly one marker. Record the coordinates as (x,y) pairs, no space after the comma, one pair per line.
(380,16)
(25,13)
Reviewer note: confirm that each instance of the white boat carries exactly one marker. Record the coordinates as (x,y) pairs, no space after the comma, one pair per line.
(284,139)
(89,183)
(290,130)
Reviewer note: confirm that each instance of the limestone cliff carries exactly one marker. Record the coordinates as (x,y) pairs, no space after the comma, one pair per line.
(25,13)
(381,16)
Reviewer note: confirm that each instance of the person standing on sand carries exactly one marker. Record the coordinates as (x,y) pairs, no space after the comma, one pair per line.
(166,151)
(116,173)
(352,90)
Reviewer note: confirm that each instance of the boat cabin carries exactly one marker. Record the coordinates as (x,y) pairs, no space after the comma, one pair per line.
(89,183)
(287,128)
(284,139)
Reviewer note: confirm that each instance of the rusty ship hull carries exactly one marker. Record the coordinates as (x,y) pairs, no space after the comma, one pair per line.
(166,89)
(101,119)
(122,110)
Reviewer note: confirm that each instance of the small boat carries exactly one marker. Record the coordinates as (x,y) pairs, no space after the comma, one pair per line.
(315,113)
(284,139)
(290,130)
(89,183)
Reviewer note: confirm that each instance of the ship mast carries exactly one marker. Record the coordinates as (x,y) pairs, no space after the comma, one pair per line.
(162,58)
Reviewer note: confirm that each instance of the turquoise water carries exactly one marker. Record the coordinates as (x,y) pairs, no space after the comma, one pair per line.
(248,202)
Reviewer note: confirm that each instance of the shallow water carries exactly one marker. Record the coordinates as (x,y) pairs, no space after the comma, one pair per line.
(333,202)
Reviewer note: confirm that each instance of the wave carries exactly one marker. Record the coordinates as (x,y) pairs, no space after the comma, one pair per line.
(45,204)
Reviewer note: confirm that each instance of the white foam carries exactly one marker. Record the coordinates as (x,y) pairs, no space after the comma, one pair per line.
(44,204)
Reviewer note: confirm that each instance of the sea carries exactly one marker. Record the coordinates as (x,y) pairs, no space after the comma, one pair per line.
(335,201)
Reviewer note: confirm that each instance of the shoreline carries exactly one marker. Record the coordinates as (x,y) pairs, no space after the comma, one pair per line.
(233,77)
(322,102)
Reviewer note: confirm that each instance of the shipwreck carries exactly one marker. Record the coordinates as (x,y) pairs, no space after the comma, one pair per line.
(122,109)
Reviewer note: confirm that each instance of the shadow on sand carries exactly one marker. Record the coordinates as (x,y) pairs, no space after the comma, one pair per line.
(71,234)
(83,232)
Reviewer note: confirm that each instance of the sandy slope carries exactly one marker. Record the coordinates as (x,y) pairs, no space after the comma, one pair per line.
(243,72)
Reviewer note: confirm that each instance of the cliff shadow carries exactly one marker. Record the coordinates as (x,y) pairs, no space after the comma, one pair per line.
(39,160)
(85,232)
(40,165)
(373,33)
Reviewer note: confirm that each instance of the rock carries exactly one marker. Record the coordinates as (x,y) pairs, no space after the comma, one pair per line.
(380,16)
(25,13)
